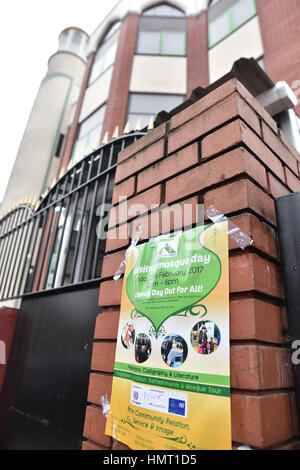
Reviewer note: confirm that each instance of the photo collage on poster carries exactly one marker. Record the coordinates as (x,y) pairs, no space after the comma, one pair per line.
(204,338)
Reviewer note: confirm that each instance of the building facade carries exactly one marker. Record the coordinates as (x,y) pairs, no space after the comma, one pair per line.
(144,57)
(221,130)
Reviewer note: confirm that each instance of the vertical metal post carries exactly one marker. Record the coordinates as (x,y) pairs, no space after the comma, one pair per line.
(288,218)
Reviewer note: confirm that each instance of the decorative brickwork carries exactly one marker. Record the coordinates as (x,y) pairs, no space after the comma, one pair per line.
(224,150)
(197,57)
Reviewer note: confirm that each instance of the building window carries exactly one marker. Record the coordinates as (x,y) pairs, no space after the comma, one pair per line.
(63,39)
(75,42)
(164,10)
(142,107)
(105,55)
(162,31)
(261,63)
(225,17)
(89,134)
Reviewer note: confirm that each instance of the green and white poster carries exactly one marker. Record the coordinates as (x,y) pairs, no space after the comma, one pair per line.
(171,386)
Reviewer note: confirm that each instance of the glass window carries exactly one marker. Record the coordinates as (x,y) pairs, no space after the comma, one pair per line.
(228,19)
(162,31)
(105,56)
(173,43)
(219,28)
(89,134)
(109,57)
(144,106)
(75,41)
(163,10)
(161,42)
(149,42)
(64,39)
(241,11)
(112,30)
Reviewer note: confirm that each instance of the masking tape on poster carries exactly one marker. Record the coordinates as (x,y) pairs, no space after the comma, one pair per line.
(133,243)
(234,232)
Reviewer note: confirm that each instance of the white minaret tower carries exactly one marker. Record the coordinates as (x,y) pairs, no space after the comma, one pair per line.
(37,160)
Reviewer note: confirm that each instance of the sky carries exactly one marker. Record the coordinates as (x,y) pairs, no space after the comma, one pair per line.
(29,31)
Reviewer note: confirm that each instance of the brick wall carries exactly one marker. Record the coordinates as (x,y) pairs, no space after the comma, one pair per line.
(279,24)
(116,105)
(223,150)
(196,52)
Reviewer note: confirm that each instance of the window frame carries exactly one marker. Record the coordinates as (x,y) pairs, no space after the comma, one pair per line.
(232,29)
(106,38)
(161,53)
(148,94)
(162,34)
(88,133)
(163,16)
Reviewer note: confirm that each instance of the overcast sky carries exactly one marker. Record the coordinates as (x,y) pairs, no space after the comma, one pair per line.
(29,31)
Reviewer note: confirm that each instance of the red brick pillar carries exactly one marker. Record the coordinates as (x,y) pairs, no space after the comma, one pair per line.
(225,150)
(72,132)
(197,56)
(279,26)
(115,113)
(8,318)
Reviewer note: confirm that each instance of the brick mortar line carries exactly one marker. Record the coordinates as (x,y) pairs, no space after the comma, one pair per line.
(261,138)
(243,295)
(262,393)
(148,145)
(169,132)
(269,170)
(151,165)
(295,439)
(242,145)
(186,170)
(240,177)
(104,341)
(97,372)
(96,444)
(216,104)
(203,136)
(198,139)
(233,252)
(233,342)
(258,342)
(254,295)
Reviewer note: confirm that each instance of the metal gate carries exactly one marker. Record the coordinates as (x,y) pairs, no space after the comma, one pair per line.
(57,245)
(52,258)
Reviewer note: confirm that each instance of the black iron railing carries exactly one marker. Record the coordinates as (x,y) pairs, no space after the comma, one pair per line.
(57,245)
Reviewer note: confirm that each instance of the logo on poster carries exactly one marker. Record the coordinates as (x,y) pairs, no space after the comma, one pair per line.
(167,249)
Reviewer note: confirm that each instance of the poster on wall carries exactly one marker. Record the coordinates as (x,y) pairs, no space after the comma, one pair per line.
(171,384)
